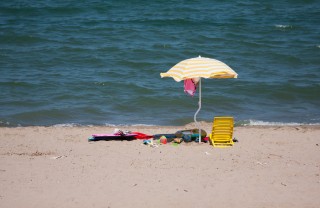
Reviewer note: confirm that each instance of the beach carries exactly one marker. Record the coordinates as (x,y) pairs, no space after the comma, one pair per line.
(71,69)
(269,166)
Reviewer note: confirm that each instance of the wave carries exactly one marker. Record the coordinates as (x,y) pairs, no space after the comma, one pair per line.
(237,124)
(270,123)
(106,124)
(5,124)
(69,125)
(283,26)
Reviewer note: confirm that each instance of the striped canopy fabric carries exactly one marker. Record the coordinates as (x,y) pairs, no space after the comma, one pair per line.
(200,67)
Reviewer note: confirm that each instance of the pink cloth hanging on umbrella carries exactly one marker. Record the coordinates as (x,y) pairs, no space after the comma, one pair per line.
(190,87)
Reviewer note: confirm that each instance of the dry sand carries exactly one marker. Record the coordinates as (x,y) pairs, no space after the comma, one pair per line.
(57,167)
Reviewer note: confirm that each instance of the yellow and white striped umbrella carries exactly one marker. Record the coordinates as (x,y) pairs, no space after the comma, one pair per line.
(200,67)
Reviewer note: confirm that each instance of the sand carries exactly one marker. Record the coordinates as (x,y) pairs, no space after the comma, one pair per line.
(270,166)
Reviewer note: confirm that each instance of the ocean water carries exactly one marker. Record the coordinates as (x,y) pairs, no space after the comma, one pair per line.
(99,62)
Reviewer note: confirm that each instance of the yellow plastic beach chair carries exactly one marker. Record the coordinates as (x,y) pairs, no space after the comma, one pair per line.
(222,131)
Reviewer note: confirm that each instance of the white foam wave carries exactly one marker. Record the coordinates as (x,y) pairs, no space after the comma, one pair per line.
(66,125)
(283,26)
(267,123)
(4,123)
(110,125)
(115,125)
(106,124)
(143,125)
(8,124)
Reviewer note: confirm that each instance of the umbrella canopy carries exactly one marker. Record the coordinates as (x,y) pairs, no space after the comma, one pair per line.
(199,67)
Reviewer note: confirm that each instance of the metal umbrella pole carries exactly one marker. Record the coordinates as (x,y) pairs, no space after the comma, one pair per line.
(195,115)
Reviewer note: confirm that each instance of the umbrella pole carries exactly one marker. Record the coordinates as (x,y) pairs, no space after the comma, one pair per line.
(195,115)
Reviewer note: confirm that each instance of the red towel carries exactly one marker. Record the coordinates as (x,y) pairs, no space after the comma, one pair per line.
(140,135)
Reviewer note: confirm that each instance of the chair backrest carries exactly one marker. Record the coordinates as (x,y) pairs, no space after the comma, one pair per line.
(222,132)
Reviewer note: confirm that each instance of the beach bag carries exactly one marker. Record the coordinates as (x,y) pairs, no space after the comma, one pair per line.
(187,138)
(194,133)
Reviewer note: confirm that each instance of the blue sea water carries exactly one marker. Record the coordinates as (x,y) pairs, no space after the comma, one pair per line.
(98,62)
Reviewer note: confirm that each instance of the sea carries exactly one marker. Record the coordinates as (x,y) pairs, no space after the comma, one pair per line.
(94,62)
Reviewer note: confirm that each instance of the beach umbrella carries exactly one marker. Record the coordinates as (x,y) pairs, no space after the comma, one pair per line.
(197,68)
